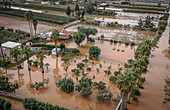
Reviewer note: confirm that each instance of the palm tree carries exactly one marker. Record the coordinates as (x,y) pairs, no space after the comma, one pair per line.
(2,52)
(15,52)
(54,37)
(28,16)
(41,56)
(27,51)
(35,23)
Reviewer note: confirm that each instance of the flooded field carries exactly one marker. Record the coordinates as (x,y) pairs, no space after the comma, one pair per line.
(125,35)
(53,95)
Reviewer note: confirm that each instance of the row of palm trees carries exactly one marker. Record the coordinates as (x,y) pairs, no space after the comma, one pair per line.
(31,20)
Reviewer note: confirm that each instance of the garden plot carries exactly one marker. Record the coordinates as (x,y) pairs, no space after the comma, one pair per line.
(124,35)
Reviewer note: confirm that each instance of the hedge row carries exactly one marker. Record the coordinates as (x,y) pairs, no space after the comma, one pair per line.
(33,104)
(48,46)
(140,7)
(39,16)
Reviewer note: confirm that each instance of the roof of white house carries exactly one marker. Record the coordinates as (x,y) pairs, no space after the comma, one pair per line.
(10,44)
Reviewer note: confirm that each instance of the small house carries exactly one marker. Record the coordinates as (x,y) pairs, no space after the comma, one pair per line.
(7,46)
(64,35)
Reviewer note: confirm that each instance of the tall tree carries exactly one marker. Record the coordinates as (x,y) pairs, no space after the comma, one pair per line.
(29,16)
(89,7)
(41,56)
(27,51)
(87,31)
(2,52)
(54,37)
(68,11)
(82,14)
(35,23)
(77,7)
(78,38)
(14,53)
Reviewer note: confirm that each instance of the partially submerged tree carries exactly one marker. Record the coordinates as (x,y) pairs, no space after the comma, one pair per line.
(67,85)
(41,56)
(54,37)
(77,7)
(27,52)
(94,51)
(14,53)
(78,38)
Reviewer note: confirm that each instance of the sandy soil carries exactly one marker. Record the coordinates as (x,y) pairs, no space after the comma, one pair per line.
(22,25)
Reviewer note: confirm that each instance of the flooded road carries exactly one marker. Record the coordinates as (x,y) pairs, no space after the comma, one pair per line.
(152,95)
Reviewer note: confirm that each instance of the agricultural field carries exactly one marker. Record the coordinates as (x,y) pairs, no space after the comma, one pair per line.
(98,60)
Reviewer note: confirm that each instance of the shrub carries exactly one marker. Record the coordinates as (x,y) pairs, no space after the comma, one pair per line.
(126,43)
(160,32)
(132,43)
(2,28)
(5,104)
(80,65)
(94,52)
(6,85)
(67,85)
(115,41)
(104,95)
(111,41)
(62,46)
(48,46)
(84,86)
(88,69)
(33,104)
(76,71)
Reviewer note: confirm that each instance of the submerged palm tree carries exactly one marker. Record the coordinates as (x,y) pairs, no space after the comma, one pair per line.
(28,16)
(14,53)
(27,51)
(41,56)
(35,23)
(54,37)
(2,52)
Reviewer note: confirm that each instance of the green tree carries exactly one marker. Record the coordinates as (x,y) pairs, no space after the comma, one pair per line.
(87,31)
(89,7)
(5,104)
(47,65)
(2,54)
(94,51)
(35,23)
(14,53)
(77,7)
(68,11)
(41,56)
(67,85)
(80,65)
(29,16)
(54,37)
(78,38)
(84,86)
(82,14)
(27,52)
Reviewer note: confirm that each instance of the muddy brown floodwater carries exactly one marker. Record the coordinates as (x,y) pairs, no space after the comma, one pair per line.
(54,95)
(151,97)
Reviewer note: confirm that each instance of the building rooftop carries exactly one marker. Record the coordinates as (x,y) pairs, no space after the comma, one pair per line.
(10,44)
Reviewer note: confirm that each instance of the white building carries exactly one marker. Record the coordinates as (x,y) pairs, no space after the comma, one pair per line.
(7,46)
